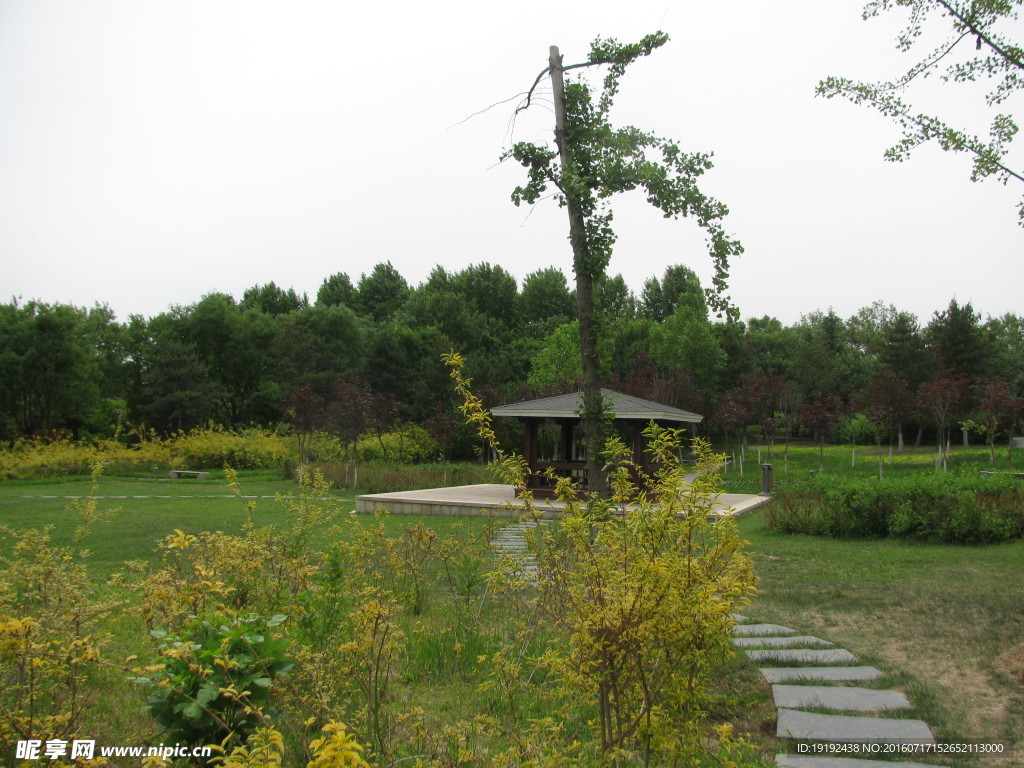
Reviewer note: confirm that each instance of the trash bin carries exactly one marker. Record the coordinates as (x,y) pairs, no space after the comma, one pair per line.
(767,478)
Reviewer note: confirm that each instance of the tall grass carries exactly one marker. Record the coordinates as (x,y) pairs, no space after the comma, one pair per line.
(381,477)
(800,462)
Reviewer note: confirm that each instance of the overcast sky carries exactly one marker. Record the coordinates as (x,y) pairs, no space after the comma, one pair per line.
(152,152)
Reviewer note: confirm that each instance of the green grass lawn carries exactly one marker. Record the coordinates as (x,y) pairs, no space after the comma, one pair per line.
(945,622)
(145,510)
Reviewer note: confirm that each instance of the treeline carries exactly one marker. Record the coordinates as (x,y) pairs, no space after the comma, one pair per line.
(366,354)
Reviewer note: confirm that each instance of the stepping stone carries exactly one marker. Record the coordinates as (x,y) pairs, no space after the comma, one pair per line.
(807,761)
(803,656)
(794,724)
(834,697)
(739,618)
(745,630)
(833,674)
(509,544)
(805,641)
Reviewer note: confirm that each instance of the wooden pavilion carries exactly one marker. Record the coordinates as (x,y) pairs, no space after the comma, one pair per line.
(567,456)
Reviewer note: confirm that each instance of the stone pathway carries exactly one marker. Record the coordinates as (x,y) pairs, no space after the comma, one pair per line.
(510,541)
(774,643)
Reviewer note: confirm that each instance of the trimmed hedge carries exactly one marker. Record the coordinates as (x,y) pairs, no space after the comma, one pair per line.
(953,508)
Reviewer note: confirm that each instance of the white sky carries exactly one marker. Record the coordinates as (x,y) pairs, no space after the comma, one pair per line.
(152,152)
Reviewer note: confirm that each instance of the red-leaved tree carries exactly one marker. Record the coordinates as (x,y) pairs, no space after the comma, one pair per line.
(943,400)
(307,413)
(820,416)
(997,410)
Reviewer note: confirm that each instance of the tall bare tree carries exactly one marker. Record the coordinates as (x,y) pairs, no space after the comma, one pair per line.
(589,162)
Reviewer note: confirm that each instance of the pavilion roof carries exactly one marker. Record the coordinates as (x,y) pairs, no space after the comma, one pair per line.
(623,406)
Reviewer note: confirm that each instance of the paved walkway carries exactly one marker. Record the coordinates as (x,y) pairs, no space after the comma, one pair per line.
(819,684)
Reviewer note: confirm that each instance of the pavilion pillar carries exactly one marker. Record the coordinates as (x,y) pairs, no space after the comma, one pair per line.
(530,443)
(567,439)
(639,443)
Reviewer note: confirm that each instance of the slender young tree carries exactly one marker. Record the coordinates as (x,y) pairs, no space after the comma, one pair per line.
(942,399)
(997,410)
(590,162)
(307,412)
(820,415)
(888,402)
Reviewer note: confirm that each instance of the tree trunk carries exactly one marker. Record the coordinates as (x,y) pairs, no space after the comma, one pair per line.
(591,422)
(593,405)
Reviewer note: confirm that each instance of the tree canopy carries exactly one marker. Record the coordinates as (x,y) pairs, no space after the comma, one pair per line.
(67,370)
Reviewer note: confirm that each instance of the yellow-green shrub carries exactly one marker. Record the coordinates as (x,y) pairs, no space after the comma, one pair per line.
(636,594)
(51,623)
(211,447)
(409,444)
(60,456)
(214,447)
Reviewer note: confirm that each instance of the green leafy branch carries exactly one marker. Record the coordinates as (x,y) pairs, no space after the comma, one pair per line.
(998,58)
(605,161)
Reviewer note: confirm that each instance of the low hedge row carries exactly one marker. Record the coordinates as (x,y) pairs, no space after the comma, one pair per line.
(207,448)
(954,508)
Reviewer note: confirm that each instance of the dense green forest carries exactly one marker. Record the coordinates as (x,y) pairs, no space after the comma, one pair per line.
(367,355)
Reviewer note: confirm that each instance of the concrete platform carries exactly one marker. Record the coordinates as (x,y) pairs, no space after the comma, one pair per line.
(495,500)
